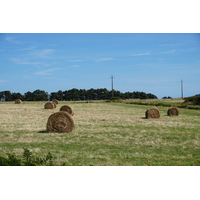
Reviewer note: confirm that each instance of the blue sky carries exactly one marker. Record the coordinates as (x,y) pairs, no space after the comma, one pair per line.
(149,62)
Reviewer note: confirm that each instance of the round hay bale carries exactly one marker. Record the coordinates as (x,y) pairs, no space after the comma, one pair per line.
(68,109)
(60,122)
(173,111)
(18,101)
(152,113)
(49,105)
(55,101)
(54,105)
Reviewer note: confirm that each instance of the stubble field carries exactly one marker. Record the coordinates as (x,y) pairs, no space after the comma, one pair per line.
(106,134)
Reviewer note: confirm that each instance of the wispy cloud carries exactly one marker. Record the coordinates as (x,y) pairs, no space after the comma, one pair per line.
(26,62)
(47,72)
(74,66)
(28,48)
(172,51)
(42,53)
(141,54)
(2,81)
(167,45)
(12,39)
(74,60)
(104,59)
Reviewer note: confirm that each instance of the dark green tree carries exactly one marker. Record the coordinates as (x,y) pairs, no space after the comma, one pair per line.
(28,96)
(40,95)
(17,95)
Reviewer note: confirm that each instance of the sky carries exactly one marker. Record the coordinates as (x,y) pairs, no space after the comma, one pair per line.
(146,62)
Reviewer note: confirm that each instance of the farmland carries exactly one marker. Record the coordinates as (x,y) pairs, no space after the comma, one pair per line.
(106,134)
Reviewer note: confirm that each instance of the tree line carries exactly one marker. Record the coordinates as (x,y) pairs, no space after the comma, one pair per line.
(74,95)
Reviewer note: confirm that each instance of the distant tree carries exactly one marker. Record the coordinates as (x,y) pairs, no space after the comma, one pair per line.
(151,96)
(103,94)
(40,95)
(53,95)
(59,95)
(28,96)
(6,96)
(127,95)
(75,95)
(167,97)
(17,95)
(2,97)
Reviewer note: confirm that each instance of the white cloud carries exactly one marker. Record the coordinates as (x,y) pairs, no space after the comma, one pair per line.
(43,53)
(74,60)
(28,48)
(26,62)
(104,59)
(12,39)
(172,51)
(75,66)
(141,54)
(47,72)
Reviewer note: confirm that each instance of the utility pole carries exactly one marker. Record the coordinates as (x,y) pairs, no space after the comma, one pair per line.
(112,85)
(182,88)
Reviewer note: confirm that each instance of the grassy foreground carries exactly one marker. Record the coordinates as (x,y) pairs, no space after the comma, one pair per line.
(106,134)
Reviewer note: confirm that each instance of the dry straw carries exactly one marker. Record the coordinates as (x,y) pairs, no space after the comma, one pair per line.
(68,109)
(152,113)
(173,111)
(49,105)
(55,101)
(54,104)
(60,122)
(18,101)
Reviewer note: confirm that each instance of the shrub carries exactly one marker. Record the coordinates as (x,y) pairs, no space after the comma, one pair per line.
(27,160)
(115,99)
(194,100)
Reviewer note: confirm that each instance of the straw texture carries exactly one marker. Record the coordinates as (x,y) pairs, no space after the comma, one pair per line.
(60,122)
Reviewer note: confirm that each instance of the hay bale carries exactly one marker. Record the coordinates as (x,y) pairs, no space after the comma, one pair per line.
(68,109)
(49,105)
(173,111)
(152,113)
(60,122)
(54,105)
(18,101)
(55,101)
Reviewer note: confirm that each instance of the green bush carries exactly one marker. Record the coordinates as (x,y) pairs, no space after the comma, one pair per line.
(115,99)
(194,100)
(27,160)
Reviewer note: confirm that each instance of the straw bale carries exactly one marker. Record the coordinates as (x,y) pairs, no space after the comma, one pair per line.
(54,104)
(173,111)
(49,105)
(60,122)
(18,101)
(68,109)
(152,113)
(55,101)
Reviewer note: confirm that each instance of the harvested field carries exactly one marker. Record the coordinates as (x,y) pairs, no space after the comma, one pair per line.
(111,134)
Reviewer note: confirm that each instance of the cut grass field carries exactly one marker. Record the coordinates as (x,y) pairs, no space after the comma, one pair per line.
(106,134)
